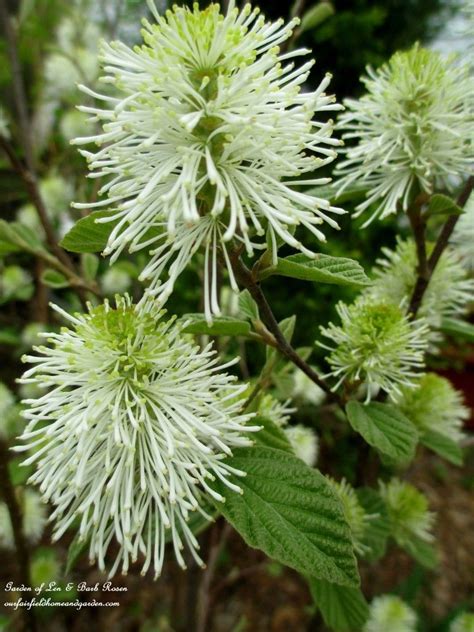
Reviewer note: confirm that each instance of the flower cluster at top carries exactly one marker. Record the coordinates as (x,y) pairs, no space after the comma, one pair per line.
(132,432)
(411,132)
(207,141)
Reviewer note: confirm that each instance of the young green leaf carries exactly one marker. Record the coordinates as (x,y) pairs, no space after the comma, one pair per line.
(76,549)
(15,237)
(247,306)
(289,511)
(321,269)
(54,279)
(271,435)
(87,235)
(458,328)
(377,529)
(90,265)
(443,205)
(444,446)
(221,326)
(385,428)
(342,608)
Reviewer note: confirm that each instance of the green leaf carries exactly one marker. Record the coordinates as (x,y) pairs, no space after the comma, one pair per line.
(287,327)
(377,528)
(9,337)
(247,306)
(342,608)
(443,205)
(16,237)
(222,326)
(90,265)
(271,435)
(315,16)
(87,235)
(423,552)
(385,428)
(54,279)
(460,328)
(289,511)
(321,269)
(444,446)
(76,549)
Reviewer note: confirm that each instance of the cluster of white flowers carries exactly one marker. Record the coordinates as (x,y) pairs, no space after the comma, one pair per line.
(408,512)
(435,405)
(208,142)
(412,130)
(375,345)
(305,443)
(34,519)
(303,440)
(132,431)
(463,623)
(390,613)
(463,235)
(449,291)
(356,516)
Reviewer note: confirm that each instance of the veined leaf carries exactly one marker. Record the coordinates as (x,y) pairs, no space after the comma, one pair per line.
(385,428)
(460,328)
(443,205)
(221,326)
(87,235)
(321,269)
(289,511)
(444,446)
(343,609)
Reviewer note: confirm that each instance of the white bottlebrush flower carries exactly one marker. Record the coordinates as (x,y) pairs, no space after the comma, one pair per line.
(115,281)
(449,291)
(304,442)
(4,124)
(412,130)
(275,410)
(389,613)
(206,142)
(133,428)
(356,516)
(408,512)
(375,345)
(435,405)
(463,623)
(304,389)
(34,519)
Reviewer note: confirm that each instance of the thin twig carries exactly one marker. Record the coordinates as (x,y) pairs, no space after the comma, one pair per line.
(218,541)
(423,280)
(7,490)
(246,279)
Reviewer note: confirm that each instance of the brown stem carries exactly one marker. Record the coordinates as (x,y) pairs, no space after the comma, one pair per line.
(217,543)
(7,490)
(246,279)
(429,266)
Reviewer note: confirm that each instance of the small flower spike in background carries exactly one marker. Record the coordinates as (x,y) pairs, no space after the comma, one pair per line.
(138,422)
(410,133)
(375,345)
(207,141)
(392,614)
